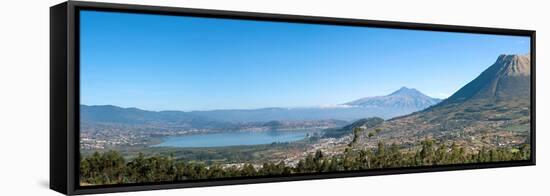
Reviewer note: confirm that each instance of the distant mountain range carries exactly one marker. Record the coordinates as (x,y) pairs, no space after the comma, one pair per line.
(497,100)
(400,102)
(109,114)
(405,99)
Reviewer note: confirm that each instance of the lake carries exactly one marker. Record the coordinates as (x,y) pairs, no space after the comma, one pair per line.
(234,138)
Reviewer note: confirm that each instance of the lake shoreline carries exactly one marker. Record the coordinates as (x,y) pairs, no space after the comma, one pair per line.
(234,138)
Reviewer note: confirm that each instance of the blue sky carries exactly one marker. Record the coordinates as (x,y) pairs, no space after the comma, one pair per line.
(158,62)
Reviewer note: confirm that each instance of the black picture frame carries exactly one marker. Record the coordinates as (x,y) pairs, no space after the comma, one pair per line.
(64,93)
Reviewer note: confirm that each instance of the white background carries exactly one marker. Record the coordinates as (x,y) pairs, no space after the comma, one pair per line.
(24,98)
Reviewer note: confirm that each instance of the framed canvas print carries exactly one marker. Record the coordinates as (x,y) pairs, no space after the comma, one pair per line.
(146,97)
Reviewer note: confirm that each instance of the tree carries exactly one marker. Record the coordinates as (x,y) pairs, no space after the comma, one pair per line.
(371,134)
(525,152)
(318,155)
(455,156)
(248,170)
(427,153)
(379,160)
(441,154)
(394,157)
(319,160)
(356,132)
(310,164)
(334,166)
(363,160)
